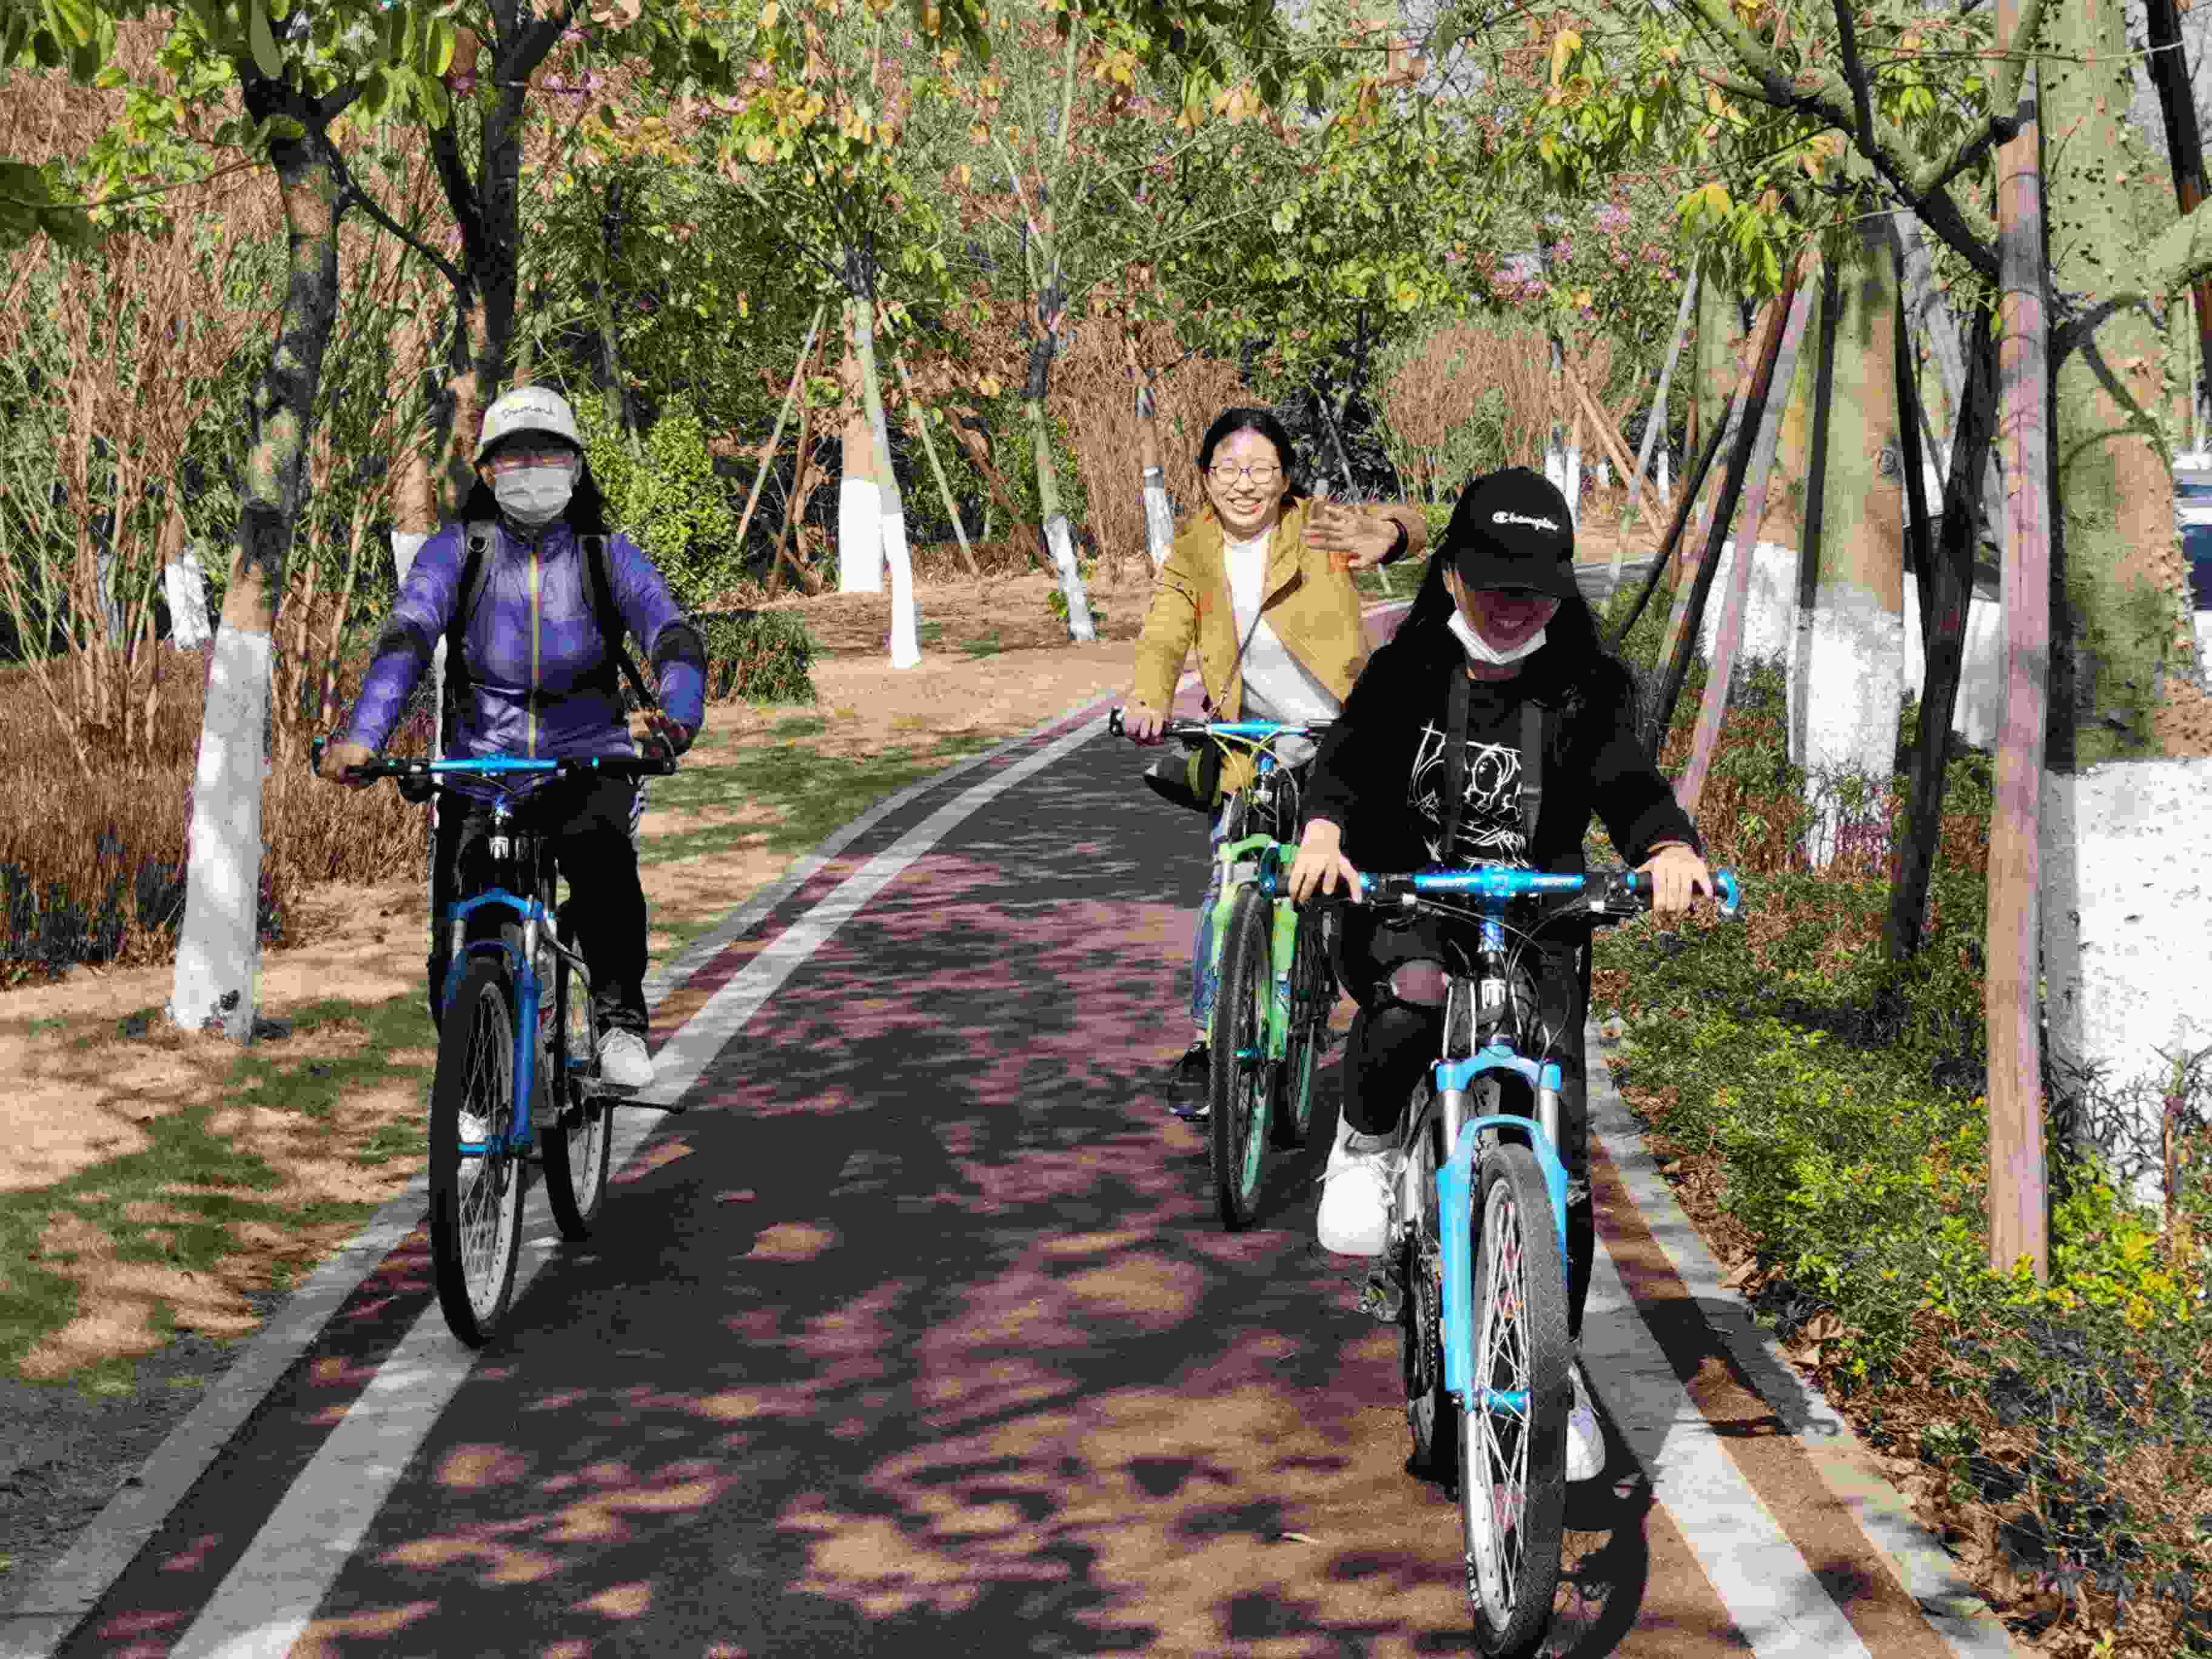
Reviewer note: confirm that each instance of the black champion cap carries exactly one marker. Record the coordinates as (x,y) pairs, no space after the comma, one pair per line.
(1512,529)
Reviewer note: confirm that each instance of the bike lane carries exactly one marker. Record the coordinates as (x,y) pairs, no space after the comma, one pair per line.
(918,1326)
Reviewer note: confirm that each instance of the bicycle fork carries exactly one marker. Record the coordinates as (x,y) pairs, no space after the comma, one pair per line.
(1455,1202)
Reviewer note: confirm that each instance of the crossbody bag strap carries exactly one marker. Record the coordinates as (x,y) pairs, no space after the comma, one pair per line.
(1454,762)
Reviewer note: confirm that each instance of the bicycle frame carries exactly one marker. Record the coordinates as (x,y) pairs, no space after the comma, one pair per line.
(1257,859)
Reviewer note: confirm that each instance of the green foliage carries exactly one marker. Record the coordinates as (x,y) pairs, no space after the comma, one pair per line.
(761,656)
(668,501)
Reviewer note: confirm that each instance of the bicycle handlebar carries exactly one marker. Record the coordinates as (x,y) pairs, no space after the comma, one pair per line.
(497,769)
(1193,731)
(1607,892)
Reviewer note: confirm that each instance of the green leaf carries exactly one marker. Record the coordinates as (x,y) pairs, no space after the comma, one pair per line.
(46,49)
(261,43)
(440,45)
(73,21)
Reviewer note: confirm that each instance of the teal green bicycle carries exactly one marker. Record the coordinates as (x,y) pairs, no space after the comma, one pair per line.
(1274,985)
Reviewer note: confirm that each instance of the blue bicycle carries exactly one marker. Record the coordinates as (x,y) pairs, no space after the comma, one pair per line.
(517,1045)
(1475,1264)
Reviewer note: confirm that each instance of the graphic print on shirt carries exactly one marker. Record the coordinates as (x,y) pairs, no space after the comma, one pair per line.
(1490,814)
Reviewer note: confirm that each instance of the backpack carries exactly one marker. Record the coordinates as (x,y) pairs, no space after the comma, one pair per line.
(475,573)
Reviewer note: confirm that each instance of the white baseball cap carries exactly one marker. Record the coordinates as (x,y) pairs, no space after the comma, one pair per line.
(527,409)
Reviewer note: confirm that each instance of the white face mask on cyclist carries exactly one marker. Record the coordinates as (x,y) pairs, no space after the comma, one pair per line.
(1479,650)
(534,495)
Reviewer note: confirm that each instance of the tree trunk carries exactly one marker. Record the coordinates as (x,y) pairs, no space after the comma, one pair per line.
(906,651)
(1730,636)
(1159,517)
(1854,671)
(218,947)
(2018,1226)
(1057,535)
(860,499)
(775,435)
(1944,604)
(1717,363)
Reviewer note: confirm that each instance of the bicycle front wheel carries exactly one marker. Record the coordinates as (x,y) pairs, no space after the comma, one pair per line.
(1237,1075)
(476,1193)
(1513,1422)
(1313,994)
(578,1130)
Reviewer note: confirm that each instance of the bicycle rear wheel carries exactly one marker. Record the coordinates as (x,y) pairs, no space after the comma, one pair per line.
(578,1131)
(1312,994)
(476,1197)
(1513,1424)
(1238,1075)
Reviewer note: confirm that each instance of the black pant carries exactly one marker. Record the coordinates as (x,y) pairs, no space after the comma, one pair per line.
(587,826)
(1393,1042)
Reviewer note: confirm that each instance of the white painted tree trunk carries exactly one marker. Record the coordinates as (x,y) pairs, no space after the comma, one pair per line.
(1604,473)
(2127,906)
(1159,517)
(1572,483)
(1061,541)
(219,943)
(1854,676)
(1662,482)
(860,537)
(906,648)
(185,584)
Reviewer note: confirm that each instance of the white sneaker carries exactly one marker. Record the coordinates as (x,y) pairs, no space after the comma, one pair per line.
(1585,1443)
(1355,1195)
(623,1063)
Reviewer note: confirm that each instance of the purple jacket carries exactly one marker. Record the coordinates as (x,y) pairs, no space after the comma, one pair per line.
(541,679)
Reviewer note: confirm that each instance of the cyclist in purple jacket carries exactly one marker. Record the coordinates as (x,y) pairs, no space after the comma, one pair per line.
(531,673)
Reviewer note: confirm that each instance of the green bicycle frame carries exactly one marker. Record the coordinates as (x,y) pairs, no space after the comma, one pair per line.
(1242,863)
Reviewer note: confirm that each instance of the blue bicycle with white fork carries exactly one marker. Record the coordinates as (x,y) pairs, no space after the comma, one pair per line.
(1476,1252)
(519,1040)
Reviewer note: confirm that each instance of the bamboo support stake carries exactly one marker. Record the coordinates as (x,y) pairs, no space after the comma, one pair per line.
(2018,1228)
(775,436)
(920,418)
(1729,635)
(1684,314)
(1615,448)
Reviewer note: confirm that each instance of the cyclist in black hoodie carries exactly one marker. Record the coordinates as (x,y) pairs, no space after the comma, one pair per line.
(1500,649)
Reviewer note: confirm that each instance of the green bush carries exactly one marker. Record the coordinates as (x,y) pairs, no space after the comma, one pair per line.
(668,500)
(761,656)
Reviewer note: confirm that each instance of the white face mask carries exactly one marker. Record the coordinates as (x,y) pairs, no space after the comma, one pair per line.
(534,495)
(1479,650)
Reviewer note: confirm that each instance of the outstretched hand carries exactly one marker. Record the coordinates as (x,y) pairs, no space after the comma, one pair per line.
(1356,539)
(1678,877)
(1320,862)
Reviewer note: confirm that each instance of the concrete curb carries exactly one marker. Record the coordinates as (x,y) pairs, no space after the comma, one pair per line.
(1844,1464)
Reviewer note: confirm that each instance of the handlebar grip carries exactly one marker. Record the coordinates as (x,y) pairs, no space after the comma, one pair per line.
(1731,894)
(315,755)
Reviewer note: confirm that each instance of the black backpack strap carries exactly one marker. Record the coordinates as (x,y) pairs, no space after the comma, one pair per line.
(1454,762)
(598,564)
(1531,773)
(476,548)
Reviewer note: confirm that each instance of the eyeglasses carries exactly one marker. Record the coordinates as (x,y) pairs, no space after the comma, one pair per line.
(513,459)
(1258,475)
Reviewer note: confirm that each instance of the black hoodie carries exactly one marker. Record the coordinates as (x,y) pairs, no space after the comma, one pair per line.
(1379,771)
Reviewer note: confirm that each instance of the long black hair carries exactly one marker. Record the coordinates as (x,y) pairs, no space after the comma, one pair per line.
(586,512)
(1232,422)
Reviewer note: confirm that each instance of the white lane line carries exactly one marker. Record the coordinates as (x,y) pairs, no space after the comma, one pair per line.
(266,1602)
(1782,1610)
(1843,1461)
(69,1588)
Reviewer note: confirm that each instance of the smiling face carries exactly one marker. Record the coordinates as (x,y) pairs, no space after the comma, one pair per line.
(1244,482)
(1504,617)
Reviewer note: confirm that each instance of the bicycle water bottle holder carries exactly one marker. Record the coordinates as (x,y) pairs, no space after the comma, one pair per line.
(1455,1202)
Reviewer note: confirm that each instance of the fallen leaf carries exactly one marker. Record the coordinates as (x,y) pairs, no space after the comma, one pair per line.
(1296,1538)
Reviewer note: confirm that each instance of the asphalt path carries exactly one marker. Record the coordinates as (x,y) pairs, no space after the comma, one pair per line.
(916,1333)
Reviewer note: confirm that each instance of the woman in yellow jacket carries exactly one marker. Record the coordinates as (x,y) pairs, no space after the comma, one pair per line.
(1261,584)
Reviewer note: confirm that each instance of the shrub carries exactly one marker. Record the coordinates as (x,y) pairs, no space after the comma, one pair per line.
(668,500)
(761,656)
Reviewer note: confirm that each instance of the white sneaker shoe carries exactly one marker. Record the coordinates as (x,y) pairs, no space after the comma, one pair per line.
(1585,1442)
(623,1063)
(1355,1195)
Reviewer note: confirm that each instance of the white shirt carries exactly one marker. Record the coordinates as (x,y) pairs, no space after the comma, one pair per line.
(1277,685)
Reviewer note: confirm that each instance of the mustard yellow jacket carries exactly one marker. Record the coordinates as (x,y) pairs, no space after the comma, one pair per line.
(1312,609)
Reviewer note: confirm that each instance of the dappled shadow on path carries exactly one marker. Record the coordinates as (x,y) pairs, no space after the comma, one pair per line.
(929,1341)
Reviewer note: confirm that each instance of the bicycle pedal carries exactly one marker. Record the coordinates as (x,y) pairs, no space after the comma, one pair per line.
(1381,1299)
